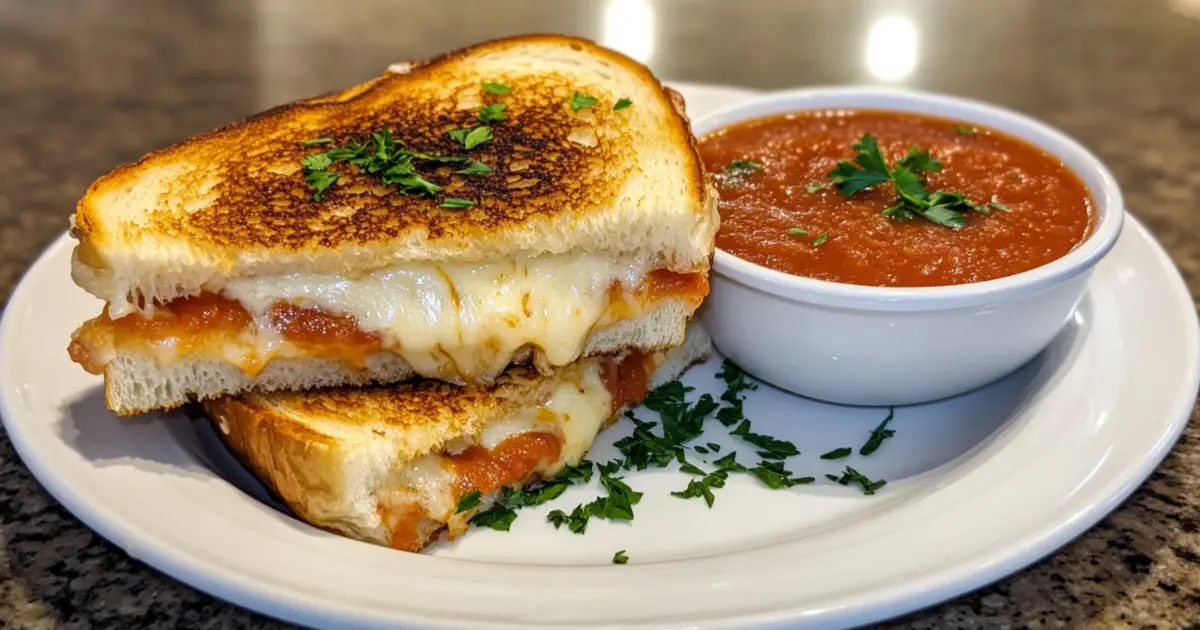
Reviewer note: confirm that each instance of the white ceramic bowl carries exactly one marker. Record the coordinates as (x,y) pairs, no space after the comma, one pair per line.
(863,345)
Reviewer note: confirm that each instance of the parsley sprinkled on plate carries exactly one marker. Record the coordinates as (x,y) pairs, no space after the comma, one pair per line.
(850,475)
(776,477)
(496,88)
(316,141)
(622,104)
(838,453)
(813,187)
(772,448)
(620,557)
(879,434)
(704,486)
(820,240)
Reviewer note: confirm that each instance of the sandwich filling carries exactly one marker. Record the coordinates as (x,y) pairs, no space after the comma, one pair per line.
(417,500)
(456,322)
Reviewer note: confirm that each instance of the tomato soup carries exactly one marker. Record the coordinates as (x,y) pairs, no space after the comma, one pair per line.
(780,207)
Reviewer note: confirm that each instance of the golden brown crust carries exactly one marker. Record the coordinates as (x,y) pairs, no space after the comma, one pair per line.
(451,409)
(251,194)
(301,466)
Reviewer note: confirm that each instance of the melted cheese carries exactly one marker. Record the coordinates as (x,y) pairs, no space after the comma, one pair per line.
(465,320)
(575,410)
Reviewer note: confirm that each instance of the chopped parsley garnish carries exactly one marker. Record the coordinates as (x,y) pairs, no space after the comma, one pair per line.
(776,477)
(320,180)
(735,384)
(620,557)
(496,88)
(735,381)
(838,453)
(869,168)
(316,141)
(475,168)
(1016,177)
(700,449)
(879,434)
(850,475)
(582,101)
(534,494)
(644,448)
(456,204)
(581,472)
(383,157)
(820,240)
(729,462)
(622,104)
(738,170)
(618,505)
(772,448)
(681,423)
(473,137)
(576,521)
(999,206)
(502,513)
(468,501)
(813,187)
(499,517)
(317,162)
(703,487)
(492,112)
(714,447)
(541,492)
(964,130)
(797,232)
(743,167)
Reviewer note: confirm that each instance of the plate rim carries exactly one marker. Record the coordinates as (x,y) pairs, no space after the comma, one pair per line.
(283,604)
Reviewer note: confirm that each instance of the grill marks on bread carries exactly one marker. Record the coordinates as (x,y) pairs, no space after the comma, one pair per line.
(252,191)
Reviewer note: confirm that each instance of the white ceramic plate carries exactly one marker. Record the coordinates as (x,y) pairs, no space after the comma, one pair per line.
(980,486)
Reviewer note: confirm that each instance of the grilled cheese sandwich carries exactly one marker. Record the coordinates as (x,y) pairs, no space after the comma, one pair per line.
(390,464)
(574,232)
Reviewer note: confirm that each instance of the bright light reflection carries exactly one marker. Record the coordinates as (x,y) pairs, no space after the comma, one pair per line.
(892,48)
(629,28)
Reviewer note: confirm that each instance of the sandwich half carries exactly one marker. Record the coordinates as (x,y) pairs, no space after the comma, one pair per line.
(536,199)
(390,464)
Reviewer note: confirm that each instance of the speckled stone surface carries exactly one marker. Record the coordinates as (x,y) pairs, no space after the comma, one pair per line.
(89,84)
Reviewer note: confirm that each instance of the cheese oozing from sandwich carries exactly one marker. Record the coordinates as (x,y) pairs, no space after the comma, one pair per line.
(459,322)
(419,498)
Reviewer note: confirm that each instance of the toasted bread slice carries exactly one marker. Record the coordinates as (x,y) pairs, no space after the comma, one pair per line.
(389,465)
(234,203)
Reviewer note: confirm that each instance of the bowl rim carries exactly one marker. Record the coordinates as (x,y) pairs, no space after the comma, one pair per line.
(1100,183)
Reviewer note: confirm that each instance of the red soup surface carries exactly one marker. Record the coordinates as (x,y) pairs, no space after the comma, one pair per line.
(848,239)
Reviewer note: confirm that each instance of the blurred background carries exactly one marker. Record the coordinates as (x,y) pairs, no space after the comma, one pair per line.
(89,84)
(86,85)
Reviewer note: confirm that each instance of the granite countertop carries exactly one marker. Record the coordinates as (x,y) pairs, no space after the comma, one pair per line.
(91,84)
